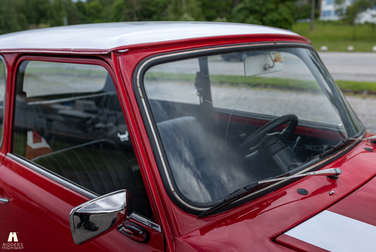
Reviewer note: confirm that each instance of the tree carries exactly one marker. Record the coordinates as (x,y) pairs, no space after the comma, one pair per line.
(303,9)
(104,3)
(350,13)
(214,10)
(153,10)
(80,5)
(38,11)
(312,21)
(93,10)
(72,13)
(134,10)
(185,10)
(118,12)
(12,16)
(64,12)
(277,13)
(57,13)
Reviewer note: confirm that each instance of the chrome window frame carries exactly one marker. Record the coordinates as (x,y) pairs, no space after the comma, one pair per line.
(4,101)
(67,183)
(151,127)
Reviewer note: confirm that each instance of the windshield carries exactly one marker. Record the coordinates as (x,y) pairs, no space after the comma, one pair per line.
(227,120)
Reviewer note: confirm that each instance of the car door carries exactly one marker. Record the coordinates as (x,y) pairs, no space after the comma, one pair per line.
(69,143)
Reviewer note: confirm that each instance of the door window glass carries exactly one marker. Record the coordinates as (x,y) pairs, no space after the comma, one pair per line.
(68,120)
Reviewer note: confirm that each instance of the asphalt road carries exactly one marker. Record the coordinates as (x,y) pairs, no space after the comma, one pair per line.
(364,107)
(356,67)
(342,66)
(350,66)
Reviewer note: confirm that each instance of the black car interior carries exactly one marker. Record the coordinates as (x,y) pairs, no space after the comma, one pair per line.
(240,146)
(87,141)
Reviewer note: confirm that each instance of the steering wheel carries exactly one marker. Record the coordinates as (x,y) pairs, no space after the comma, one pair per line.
(252,142)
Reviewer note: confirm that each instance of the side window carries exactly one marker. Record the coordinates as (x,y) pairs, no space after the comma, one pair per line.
(3,81)
(68,120)
(167,83)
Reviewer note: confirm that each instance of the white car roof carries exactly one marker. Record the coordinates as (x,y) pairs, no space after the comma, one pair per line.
(107,36)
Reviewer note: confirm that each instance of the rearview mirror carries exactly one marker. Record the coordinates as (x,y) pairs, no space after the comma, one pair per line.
(263,63)
(97,216)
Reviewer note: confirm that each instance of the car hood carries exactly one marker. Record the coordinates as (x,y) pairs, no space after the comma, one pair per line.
(335,215)
(349,225)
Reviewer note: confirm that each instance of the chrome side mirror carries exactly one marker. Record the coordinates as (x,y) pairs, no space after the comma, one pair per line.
(95,217)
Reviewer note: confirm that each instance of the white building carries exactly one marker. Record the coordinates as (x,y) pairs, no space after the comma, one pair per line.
(328,12)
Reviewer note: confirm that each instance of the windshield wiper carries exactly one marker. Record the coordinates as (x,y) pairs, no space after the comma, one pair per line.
(331,173)
(344,142)
(335,147)
(363,139)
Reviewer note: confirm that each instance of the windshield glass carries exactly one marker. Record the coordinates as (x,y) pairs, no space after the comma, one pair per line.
(227,120)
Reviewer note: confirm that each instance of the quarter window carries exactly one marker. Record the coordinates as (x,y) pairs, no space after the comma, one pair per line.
(68,120)
(171,89)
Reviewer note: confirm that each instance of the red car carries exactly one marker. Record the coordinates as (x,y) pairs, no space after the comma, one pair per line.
(142,137)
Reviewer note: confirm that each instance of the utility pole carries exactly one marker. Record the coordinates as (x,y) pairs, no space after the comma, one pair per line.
(312,13)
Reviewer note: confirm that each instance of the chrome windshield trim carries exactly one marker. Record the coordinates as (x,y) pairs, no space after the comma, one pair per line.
(154,129)
(138,79)
(146,222)
(52,176)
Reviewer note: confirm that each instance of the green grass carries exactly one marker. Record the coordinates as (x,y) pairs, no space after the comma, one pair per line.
(337,37)
(65,72)
(346,86)
(262,81)
(357,87)
(238,79)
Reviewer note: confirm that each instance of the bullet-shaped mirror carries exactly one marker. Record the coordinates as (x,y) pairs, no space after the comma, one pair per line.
(95,217)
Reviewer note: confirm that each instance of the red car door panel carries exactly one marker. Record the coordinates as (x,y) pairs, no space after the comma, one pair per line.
(39,209)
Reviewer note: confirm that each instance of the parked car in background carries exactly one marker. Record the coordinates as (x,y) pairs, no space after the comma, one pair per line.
(149,137)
